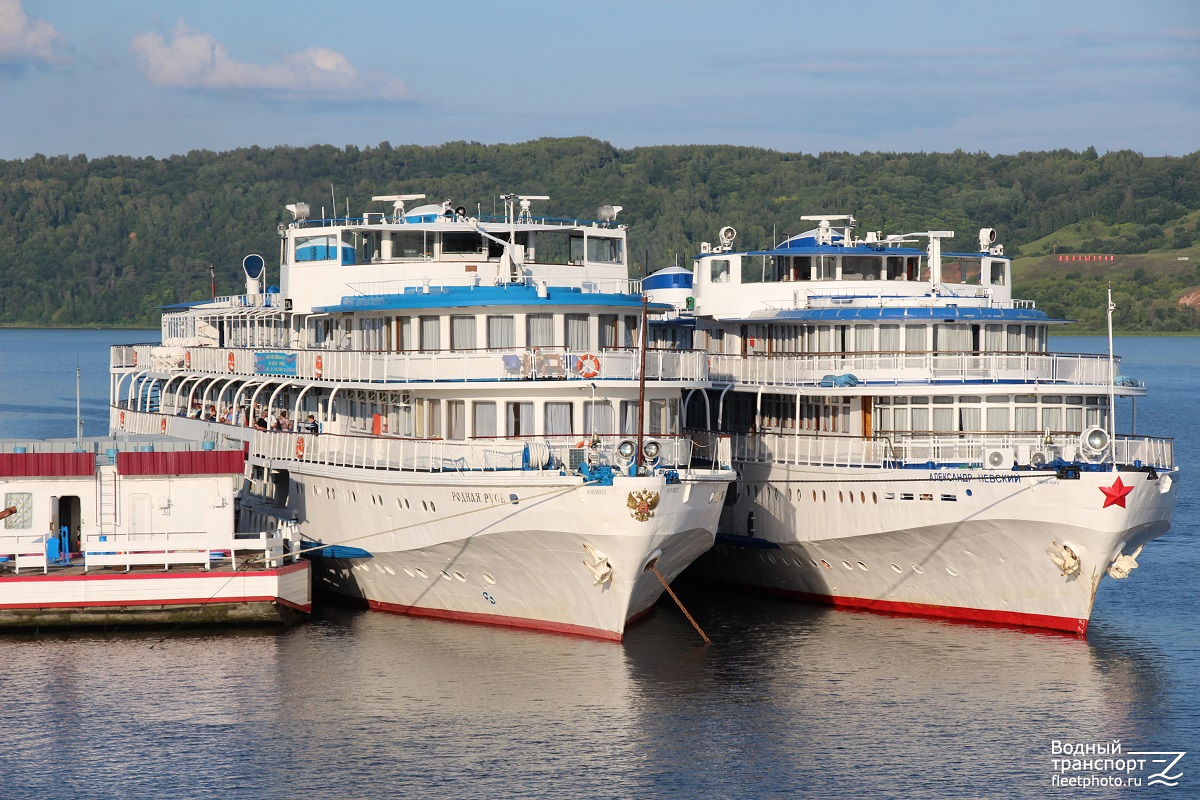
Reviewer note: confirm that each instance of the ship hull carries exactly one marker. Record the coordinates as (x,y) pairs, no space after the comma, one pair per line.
(970,545)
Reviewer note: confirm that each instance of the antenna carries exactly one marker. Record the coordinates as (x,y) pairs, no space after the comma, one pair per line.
(334,197)
(397,201)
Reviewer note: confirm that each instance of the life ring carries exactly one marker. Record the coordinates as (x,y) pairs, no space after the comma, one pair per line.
(187,359)
(162,425)
(230,361)
(122,420)
(318,367)
(135,358)
(588,366)
(300,447)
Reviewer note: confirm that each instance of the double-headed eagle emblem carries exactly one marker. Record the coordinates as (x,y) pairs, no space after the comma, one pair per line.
(642,504)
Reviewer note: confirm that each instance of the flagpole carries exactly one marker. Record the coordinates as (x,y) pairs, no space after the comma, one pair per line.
(1112,410)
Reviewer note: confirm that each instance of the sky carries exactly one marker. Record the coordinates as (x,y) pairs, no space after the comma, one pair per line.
(161,77)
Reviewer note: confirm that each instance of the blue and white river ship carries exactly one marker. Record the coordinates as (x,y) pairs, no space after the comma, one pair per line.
(903,438)
(456,410)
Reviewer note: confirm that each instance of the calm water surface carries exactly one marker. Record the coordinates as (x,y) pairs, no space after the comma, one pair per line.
(790,700)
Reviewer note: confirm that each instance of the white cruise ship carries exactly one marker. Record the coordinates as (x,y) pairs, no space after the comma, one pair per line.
(458,411)
(904,440)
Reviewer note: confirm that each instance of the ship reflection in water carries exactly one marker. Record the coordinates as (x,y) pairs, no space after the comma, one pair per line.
(791,699)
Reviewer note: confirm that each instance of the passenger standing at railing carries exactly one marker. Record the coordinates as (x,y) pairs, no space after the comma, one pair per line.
(285,424)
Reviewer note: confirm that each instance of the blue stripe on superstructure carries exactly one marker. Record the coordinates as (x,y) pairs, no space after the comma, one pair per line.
(910,313)
(476,296)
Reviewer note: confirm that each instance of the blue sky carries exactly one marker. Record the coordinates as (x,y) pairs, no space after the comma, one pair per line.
(157,77)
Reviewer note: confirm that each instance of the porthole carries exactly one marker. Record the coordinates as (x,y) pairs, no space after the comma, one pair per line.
(896,568)
(399,503)
(851,498)
(487,577)
(460,577)
(824,499)
(770,558)
(874,498)
(406,503)
(841,499)
(316,489)
(848,565)
(951,572)
(409,572)
(862,497)
(918,570)
(811,561)
(424,506)
(861,566)
(814,495)
(388,570)
(825,564)
(421,572)
(432,507)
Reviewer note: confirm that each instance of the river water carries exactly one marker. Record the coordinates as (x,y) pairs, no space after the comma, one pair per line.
(790,700)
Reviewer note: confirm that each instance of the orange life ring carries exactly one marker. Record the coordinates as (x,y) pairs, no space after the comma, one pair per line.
(300,447)
(122,420)
(588,366)
(135,358)
(187,359)
(318,367)
(230,361)
(162,426)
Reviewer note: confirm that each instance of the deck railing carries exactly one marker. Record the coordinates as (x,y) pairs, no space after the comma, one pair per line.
(540,363)
(909,368)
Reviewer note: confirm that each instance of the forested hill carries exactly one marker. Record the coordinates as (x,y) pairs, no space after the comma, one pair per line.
(106,241)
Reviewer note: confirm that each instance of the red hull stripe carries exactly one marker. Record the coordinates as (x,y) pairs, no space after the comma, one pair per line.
(989,616)
(154,576)
(196,601)
(492,619)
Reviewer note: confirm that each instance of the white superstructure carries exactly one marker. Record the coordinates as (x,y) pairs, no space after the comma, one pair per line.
(489,440)
(903,439)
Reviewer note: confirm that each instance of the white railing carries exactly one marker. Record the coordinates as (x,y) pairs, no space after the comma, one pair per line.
(436,455)
(964,450)
(25,549)
(546,363)
(908,368)
(198,548)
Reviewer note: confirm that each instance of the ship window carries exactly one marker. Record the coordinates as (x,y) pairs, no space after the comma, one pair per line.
(608,330)
(998,273)
(539,330)
(577,333)
(22,517)
(462,333)
(316,248)
(895,268)
(889,338)
(559,418)
(1014,339)
(719,270)
(914,338)
(459,242)
(485,419)
(605,250)
(575,253)
(431,333)
(860,268)
(411,245)
(598,417)
(864,338)
(501,332)
(518,419)
(629,417)
(456,419)
(1025,418)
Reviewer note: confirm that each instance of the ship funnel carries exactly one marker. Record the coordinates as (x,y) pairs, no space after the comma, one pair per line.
(254,266)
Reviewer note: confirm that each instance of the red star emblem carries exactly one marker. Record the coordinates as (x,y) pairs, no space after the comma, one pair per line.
(1115,495)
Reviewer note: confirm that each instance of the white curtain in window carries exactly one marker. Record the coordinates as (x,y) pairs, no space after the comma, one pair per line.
(969,418)
(608,330)
(501,332)
(655,412)
(1026,418)
(889,338)
(558,418)
(456,419)
(431,333)
(629,417)
(864,338)
(952,338)
(577,333)
(599,417)
(1052,419)
(920,419)
(993,340)
(914,339)
(485,419)
(518,419)
(539,330)
(462,333)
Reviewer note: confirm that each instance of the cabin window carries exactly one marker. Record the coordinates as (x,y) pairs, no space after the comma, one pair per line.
(559,419)
(1074,415)
(456,420)
(434,426)
(539,330)
(605,250)
(577,333)
(719,270)
(575,251)
(889,339)
(629,417)
(518,419)
(501,332)
(1015,341)
(462,242)
(1025,413)
(462,333)
(914,339)
(431,333)
(608,330)
(952,338)
(920,413)
(1031,339)
(22,518)
(484,423)
(998,273)
(631,332)
(943,414)
(864,338)
(970,413)
(993,338)
(895,268)
(803,268)
(599,417)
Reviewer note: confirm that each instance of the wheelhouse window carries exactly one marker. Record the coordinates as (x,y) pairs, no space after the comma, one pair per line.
(462,243)
(411,244)
(860,268)
(605,250)
(719,270)
(316,248)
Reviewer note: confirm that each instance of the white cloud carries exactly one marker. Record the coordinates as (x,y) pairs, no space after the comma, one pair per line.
(24,40)
(195,60)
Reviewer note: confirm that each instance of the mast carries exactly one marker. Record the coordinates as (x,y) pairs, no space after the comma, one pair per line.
(78,415)
(1112,411)
(641,382)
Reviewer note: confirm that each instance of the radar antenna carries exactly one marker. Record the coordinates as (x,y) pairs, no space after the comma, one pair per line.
(397,201)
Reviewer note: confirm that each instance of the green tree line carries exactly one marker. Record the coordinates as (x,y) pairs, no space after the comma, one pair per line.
(108,241)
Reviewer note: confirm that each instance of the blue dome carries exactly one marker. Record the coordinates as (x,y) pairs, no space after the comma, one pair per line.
(669,278)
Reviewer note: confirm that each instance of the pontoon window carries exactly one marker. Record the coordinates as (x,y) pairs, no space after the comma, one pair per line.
(605,250)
